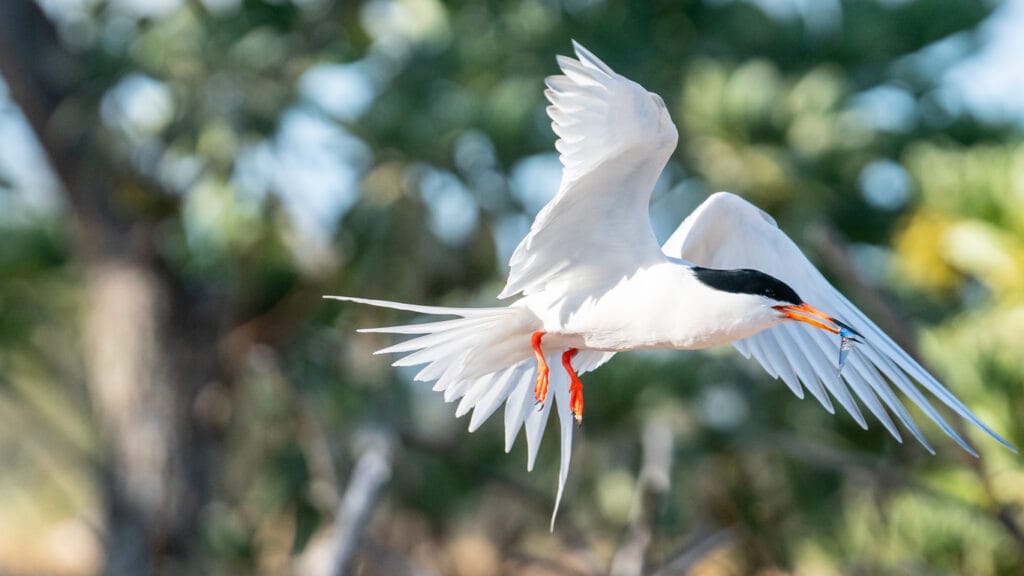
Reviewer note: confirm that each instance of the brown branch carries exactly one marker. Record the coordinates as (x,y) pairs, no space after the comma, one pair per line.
(39,74)
(372,471)
(695,551)
(654,483)
(28,48)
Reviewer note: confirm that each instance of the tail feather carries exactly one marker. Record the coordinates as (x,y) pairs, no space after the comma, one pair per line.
(537,420)
(471,394)
(494,398)
(476,394)
(448,378)
(422,328)
(437,370)
(435,310)
(436,338)
(484,359)
(459,390)
(515,410)
(565,419)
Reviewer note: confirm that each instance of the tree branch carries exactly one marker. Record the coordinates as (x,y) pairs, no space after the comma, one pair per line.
(372,471)
(37,70)
(655,480)
(690,555)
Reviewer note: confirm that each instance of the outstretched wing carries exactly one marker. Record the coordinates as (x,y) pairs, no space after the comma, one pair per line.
(729,232)
(614,138)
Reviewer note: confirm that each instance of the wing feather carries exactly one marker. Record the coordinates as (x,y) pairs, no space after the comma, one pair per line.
(857,380)
(818,354)
(614,138)
(729,232)
(783,366)
(788,337)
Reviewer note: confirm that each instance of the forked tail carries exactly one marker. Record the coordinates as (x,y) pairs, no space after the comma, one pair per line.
(483,359)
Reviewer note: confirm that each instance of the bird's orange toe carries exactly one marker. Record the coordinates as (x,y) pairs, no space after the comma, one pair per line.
(540,390)
(575,385)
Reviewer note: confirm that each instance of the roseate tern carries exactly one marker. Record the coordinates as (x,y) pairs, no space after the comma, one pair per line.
(594,281)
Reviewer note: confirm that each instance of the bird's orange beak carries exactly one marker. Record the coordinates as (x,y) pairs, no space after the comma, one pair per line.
(807,313)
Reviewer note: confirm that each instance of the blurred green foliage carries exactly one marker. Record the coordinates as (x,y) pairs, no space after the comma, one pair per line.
(397,149)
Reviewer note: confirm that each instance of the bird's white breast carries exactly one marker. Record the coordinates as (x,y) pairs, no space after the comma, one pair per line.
(660,306)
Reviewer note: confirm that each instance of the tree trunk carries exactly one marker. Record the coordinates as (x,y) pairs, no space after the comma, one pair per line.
(149,347)
(148,359)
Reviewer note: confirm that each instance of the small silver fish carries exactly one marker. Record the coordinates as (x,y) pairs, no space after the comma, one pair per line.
(847,337)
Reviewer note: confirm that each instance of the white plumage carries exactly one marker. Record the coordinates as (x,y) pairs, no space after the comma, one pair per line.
(594,279)
(614,138)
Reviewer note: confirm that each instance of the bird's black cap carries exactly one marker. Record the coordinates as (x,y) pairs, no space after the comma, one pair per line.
(746,281)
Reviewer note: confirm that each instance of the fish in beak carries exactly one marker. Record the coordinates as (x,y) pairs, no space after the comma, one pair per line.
(810,315)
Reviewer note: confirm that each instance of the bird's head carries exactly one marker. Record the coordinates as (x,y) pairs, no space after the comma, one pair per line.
(766,299)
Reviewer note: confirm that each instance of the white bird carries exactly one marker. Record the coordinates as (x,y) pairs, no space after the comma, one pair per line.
(594,282)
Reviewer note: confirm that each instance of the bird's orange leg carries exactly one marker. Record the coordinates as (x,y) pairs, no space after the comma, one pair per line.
(540,391)
(575,386)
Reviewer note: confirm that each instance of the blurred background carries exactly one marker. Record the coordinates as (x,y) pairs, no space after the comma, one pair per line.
(181,181)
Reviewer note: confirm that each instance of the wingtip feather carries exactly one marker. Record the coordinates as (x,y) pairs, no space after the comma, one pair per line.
(587,57)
